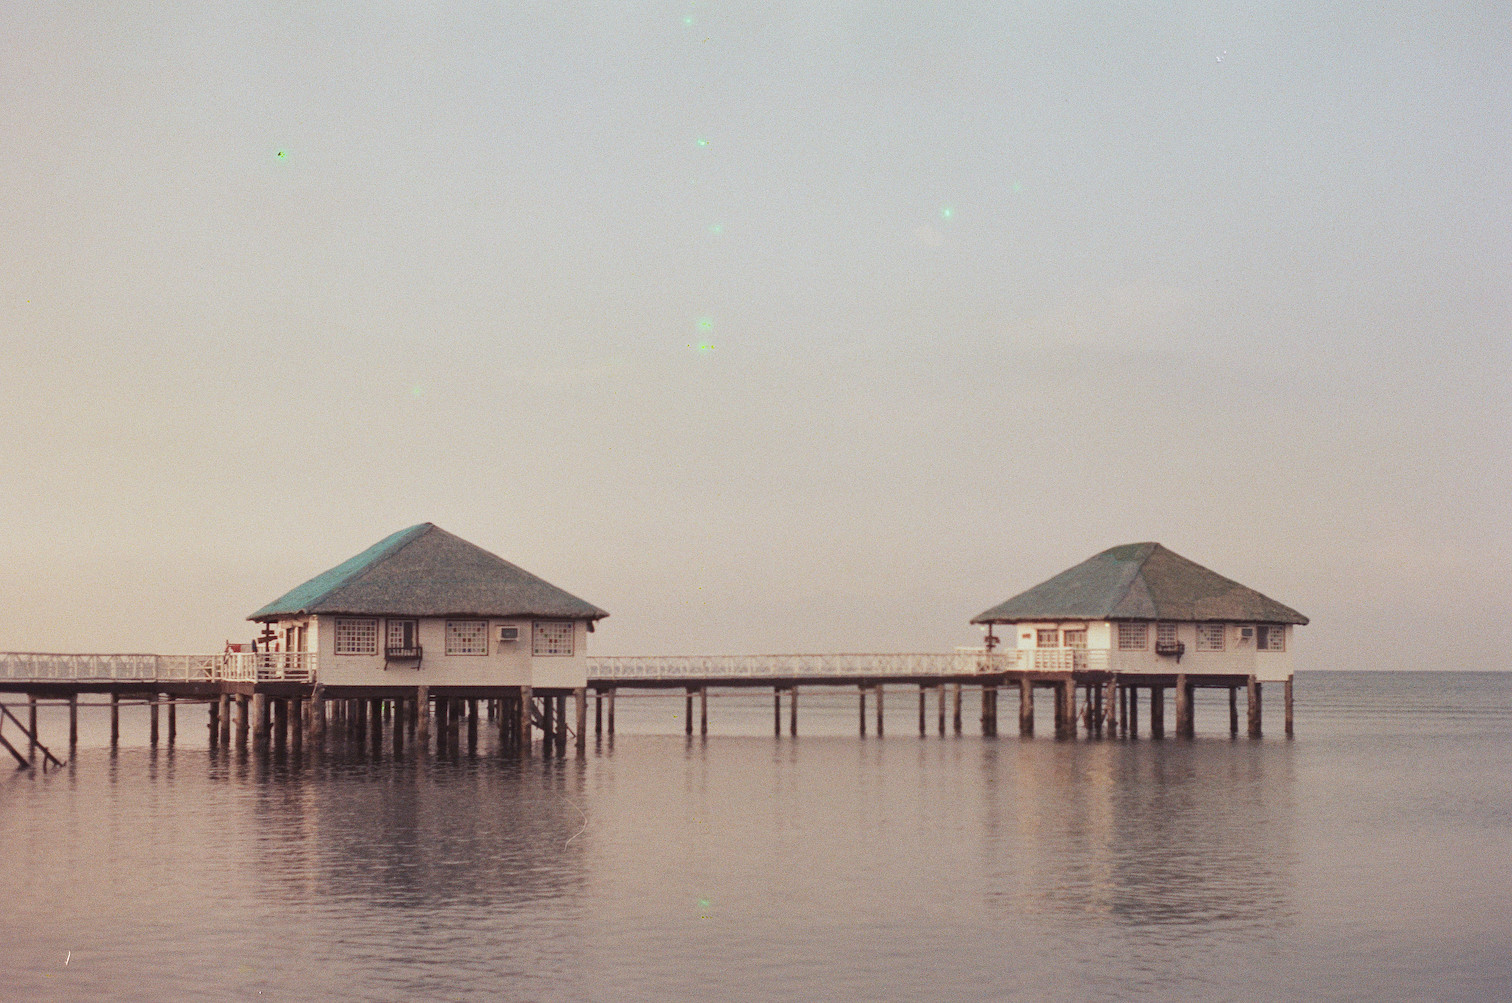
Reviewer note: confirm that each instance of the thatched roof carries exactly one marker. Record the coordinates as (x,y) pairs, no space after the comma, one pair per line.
(426,571)
(1140,581)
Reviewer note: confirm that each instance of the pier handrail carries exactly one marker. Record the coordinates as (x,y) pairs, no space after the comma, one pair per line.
(231,666)
(961,662)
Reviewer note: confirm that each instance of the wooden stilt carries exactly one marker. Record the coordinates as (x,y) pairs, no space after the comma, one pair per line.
(1253,687)
(955,720)
(225,718)
(422,717)
(243,720)
(506,715)
(703,710)
(561,725)
(1069,689)
(1233,710)
(31,723)
(526,737)
(1123,711)
(1184,727)
(1157,712)
(776,711)
(611,712)
(580,698)
(214,725)
(281,721)
(399,708)
(296,721)
(1134,712)
(261,719)
(318,714)
(793,712)
(861,707)
(990,710)
(878,692)
(598,713)
(1288,685)
(1110,707)
(73,715)
(472,724)
(923,692)
(152,718)
(688,711)
(1026,706)
(940,705)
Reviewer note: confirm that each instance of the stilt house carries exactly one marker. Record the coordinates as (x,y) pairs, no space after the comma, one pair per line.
(1141,608)
(424,607)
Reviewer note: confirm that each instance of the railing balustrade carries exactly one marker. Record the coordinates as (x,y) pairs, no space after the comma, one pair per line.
(231,666)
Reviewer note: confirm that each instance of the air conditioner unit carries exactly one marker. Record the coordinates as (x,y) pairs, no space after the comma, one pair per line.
(508,633)
(1246,633)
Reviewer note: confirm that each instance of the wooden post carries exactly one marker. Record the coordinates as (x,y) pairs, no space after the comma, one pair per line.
(777,711)
(1233,710)
(1288,706)
(1253,687)
(472,724)
(214,725)
(152,718)
(73,715)
(861,705)
(296,721)
(878,692)
(955,720)
(611,712)
(598,713)
(562,725)
(580,697)
(989,710)
(1026,706)
(375,716)
(1069,686)
(940,704)
(793,712)
(525,737)
(172,720)
(923,690)
(260,719)
(1094,710)
(703,710)
(281,720)
(398,712)
(548,726)
(422,717)
(115,719)
(1123,711)
(688,711)
(1134,712)
(317,714)
(243,721)
(1157,712)
(1184,727)
(1110,707)
(504,710)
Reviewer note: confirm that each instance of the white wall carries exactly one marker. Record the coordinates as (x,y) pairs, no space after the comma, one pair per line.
(1103,636)
(508,663)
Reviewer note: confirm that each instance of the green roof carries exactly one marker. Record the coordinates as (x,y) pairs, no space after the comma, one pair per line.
(426,571)
(1140,581)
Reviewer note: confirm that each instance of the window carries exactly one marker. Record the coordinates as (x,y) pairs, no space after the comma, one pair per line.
(1133,636)
(467,637)
(1210,637)
(1270,637)
(356,637)
(552,638)
(1076,638)
(1047,638)
(1165,635)
(401,635)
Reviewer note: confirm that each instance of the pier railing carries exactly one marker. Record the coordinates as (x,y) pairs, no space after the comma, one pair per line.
(234,666)
(961,662)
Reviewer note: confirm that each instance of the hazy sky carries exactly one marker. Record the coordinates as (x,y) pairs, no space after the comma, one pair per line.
(766,327)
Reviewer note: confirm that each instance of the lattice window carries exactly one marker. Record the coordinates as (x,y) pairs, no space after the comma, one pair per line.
(1270,637)
(1076,637)
(402,634)
(356,637)
(1133,636)
(1047,638)
(1165,635)
(1210,636)
(552,637)
(467,637)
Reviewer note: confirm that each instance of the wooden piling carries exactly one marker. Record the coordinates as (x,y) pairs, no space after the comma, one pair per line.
(923,691)
(940,703)
(472,724)
(598,713)
(73,715)
(703,710)
(861,707)
(115,719)
(1157,712)
(793,712)
(777,711)
(1288,691)
(1110,707)
(1069,689)
(280,720)
(1095,709)
(525,737)
(422,717)
(298,726)
(611,712)
(152,718)
(878,692)
(398,708)
(1233,710)
(243,720)
(955,719)
(261,719)
(1123,711)
(1026,706)
(1253,687)
(580,698)
(688,711)
(989,710)
(31,724)
(214,725)
(1184,724)
(1134,712)
(561,725)
(224,704)
(317,714)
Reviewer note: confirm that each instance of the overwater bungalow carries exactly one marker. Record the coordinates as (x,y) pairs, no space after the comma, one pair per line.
(1141,608)
(425,607)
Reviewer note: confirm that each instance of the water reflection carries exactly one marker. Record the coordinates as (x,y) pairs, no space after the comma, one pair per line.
(1149,834)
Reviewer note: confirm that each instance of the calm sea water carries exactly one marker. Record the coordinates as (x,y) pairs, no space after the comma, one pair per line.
(1368,858)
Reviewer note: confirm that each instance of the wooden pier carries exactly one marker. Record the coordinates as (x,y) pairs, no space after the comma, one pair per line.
(277,701)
